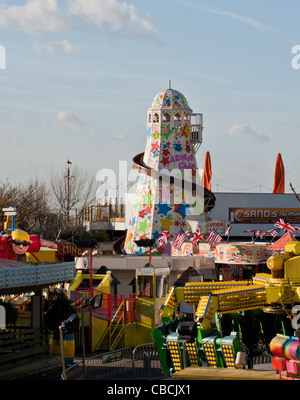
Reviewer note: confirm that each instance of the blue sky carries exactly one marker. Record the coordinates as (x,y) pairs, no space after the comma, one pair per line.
(81,74)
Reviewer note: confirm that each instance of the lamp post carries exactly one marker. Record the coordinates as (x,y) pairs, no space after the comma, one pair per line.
(146,243)
(68,166)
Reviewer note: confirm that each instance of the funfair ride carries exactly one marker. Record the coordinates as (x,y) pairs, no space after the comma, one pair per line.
(235,321)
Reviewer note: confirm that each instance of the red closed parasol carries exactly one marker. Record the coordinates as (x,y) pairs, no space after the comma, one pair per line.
(206,177)
(279,175)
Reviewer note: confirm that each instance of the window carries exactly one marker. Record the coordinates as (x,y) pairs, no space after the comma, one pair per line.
(155,118)
(145,286)
(166,117)
(177,117)
(162,286)
(149,118)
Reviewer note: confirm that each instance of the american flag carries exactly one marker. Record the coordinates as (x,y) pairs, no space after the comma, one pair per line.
(197,237)
(228,230)
(252,232)
(284,226)
(181,237)
(274,232)
(163,237)
(264,234)
(214,238)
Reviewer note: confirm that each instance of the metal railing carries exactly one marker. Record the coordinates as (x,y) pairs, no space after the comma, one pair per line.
(142,362)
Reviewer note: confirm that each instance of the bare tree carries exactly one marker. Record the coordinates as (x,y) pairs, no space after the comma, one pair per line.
(32,205)
(70,190)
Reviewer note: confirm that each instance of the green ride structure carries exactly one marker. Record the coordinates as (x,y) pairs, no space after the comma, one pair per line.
(232,321)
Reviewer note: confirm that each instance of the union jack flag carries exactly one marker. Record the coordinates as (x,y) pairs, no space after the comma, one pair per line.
(214,238)
(197,237)
(163,237)
(181,237)
(284,226)
(297,231)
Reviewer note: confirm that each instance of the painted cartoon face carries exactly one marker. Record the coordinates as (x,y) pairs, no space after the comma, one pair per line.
(19,247)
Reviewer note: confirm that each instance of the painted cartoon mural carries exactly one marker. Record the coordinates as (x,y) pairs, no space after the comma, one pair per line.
(19,242)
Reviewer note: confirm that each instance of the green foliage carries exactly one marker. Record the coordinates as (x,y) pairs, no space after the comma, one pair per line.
(58,307)
(100,236)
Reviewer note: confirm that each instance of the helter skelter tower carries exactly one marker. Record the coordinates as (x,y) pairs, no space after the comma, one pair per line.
(169,195)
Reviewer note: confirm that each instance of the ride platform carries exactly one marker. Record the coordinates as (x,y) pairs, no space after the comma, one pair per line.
(224,374)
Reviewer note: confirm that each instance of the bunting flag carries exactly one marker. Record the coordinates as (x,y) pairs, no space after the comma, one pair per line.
(252,232)
(197,237)
(181,237)
(297,231)
(284,226)
(214,238)
(264,234)
(163,238)
(227,233)
(272,232)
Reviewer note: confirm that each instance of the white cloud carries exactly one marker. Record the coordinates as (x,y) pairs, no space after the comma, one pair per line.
(33,17)
(245,131)
(54,47)
(38,16)
(70,120)
(115,14)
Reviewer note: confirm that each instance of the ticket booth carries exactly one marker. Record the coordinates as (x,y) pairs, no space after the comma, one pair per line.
(152,286)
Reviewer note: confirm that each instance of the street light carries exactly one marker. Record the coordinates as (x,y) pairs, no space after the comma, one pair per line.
(146,243)
(68,166)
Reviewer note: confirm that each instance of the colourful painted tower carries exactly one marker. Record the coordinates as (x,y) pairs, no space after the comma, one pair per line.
(169,192)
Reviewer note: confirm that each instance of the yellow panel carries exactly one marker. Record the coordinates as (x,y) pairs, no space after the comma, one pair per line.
(129,337)
(293,247)
(99,326)
(44,255)
(145,311)
(292,268)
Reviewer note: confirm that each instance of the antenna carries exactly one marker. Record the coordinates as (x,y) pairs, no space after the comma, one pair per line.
(169,84)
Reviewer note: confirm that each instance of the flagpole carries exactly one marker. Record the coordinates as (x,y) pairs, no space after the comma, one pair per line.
(272,239)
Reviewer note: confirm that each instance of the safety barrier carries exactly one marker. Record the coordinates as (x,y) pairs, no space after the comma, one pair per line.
(142,362)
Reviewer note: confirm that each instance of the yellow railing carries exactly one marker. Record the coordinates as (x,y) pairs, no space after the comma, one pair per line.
(118,320)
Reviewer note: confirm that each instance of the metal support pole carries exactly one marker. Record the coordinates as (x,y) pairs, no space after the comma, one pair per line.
(62,352)
(150,256)
(91,274)
(83,345)
(91,295)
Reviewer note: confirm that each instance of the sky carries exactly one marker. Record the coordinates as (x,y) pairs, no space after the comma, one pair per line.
(77,78)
